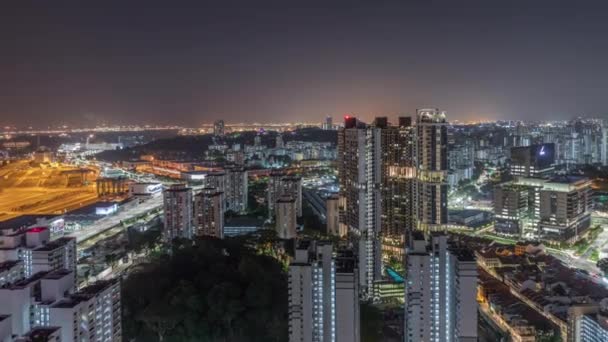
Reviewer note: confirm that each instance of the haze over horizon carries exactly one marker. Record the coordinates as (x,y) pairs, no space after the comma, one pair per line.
(148,62)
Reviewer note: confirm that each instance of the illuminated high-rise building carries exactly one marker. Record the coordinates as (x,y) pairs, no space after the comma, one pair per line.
(323,294)
(236,191)
(281,184)
(177,204)
(397,176)
(286,224)
(218,128)
(328,124)
(359,170)
(440,292)
(279,143)
(535,161)
(332,217)
(432,169)
(274,190)
(209,207)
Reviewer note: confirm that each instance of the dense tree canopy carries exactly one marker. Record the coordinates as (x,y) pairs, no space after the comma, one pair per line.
(212,290)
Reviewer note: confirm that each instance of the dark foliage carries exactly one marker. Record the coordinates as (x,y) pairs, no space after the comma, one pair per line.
(213,290)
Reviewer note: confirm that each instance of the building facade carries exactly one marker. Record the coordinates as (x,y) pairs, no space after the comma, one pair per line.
(286,225)
(359,170)
(333,217)
(440,291)
(432,170)
(237,189)
(178,209)
(323,295)
(209,208)
(398,174)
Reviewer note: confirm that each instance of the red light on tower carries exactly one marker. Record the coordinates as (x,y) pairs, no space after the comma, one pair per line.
(350,121)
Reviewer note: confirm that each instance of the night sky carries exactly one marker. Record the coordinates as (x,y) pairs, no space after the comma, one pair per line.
(128,62)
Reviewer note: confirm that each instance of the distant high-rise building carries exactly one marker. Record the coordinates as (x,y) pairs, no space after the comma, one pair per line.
(511,208)
(281,184)
(440,292)
(398,174)
(237,189)
(359,170)
(178,209)
(328,124)
(565,208)
(279,142)
(323,295)
(432,168)
(533,161)
(274,190)
(286,211)
(209,207)
(257,141)
(333,217)
(218,128)
(292,186)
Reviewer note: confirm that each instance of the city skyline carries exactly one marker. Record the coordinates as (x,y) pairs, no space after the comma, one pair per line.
(123,63)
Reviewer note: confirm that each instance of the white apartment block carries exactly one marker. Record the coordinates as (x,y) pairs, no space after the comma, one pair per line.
(323,295)
(440,292)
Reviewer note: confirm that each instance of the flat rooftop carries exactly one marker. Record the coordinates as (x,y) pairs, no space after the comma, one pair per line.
(54,275)
(52,245)
(91,209)
(7,265)
(243,221)
(23,221)
(41,333)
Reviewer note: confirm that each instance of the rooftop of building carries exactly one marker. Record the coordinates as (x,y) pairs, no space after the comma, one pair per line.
(507,305)
(243,221)
(209,191)
(467,212)
(465,255)
(568,179)
(7,265)
(286,199)
(178,188)
(85,294)
(41,333)
(23,221)
(57,274)
(23,283)
(91,209)
(55,244)
(96,287)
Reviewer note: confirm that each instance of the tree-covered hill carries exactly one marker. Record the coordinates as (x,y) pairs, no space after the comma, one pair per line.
(213,290)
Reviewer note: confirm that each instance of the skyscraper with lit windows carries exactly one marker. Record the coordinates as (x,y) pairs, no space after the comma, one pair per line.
(323,294)
(432,169)
(359,170)
(440,291)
